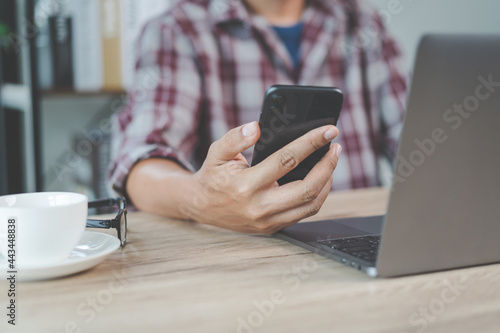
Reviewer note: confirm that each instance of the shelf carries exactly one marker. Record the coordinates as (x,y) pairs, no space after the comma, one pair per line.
(71,92)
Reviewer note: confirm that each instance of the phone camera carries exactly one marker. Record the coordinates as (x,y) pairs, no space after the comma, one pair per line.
(278,100)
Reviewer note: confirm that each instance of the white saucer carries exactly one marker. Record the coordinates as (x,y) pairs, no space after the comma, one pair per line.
(91,250)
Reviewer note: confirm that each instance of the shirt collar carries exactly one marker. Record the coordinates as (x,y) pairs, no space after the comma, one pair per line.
(234,17)
(229,11)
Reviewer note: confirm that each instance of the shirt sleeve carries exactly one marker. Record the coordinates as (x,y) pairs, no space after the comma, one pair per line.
(392,98)
(389,75)
(162,111)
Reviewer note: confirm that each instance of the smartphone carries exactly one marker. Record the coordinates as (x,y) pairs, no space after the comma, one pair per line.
(289,112)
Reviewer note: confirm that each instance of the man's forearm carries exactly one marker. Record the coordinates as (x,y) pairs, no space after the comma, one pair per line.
(160,186)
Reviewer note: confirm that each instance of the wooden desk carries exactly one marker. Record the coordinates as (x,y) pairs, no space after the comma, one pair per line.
(176,276)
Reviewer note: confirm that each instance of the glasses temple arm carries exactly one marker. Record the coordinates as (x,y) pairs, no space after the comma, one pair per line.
(107,202)
(107,224)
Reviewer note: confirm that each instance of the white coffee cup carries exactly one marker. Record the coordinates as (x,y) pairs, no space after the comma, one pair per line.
(48,225)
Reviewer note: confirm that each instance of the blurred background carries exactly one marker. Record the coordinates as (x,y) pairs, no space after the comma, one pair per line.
(66,66)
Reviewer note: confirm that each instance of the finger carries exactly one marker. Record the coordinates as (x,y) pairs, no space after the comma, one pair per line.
(290,217)
(287,158)
(300,192)
(324,169)
(234,142)
(307,190)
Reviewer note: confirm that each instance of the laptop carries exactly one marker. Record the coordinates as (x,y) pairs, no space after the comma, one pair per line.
(444,206)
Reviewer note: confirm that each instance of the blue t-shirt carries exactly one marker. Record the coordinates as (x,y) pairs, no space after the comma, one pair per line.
(291,37)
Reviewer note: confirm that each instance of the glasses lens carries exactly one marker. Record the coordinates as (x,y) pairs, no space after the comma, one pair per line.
(123,228)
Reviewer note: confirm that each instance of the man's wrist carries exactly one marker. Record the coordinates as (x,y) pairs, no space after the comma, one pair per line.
(186,192)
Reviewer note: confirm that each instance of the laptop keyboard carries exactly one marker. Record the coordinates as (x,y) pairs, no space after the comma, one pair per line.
(364,247)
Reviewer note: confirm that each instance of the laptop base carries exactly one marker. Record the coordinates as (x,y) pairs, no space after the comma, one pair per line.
(309,236)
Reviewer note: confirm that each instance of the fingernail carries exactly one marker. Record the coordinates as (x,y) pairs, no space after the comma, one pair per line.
(249,129)
(338,150)
(331,134)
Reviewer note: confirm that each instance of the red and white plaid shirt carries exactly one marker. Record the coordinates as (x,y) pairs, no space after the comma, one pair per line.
(203,67)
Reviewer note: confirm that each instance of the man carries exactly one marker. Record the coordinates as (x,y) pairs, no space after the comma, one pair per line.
(214,60)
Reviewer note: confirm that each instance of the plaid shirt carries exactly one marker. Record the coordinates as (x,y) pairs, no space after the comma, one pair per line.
(203,67)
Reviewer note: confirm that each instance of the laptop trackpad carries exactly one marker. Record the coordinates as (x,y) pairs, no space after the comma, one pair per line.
(331,229)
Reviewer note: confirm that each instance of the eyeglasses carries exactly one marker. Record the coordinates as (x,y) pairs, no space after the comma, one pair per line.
(119,222)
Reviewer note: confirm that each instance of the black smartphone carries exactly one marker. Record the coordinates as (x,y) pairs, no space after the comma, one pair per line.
(289,112)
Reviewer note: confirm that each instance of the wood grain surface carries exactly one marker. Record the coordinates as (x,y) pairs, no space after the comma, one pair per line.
(178,276)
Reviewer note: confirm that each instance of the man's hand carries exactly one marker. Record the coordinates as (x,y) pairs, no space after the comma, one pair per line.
(230,194)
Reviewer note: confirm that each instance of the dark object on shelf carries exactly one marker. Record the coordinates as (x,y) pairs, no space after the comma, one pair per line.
(45,58)
(15,168)
(4,30)
(10,65)
(4,180)
(61,40)
(14,159)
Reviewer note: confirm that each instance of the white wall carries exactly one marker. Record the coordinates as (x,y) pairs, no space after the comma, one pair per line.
(417,17)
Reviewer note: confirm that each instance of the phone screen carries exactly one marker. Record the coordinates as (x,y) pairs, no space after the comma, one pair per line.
(289,112)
